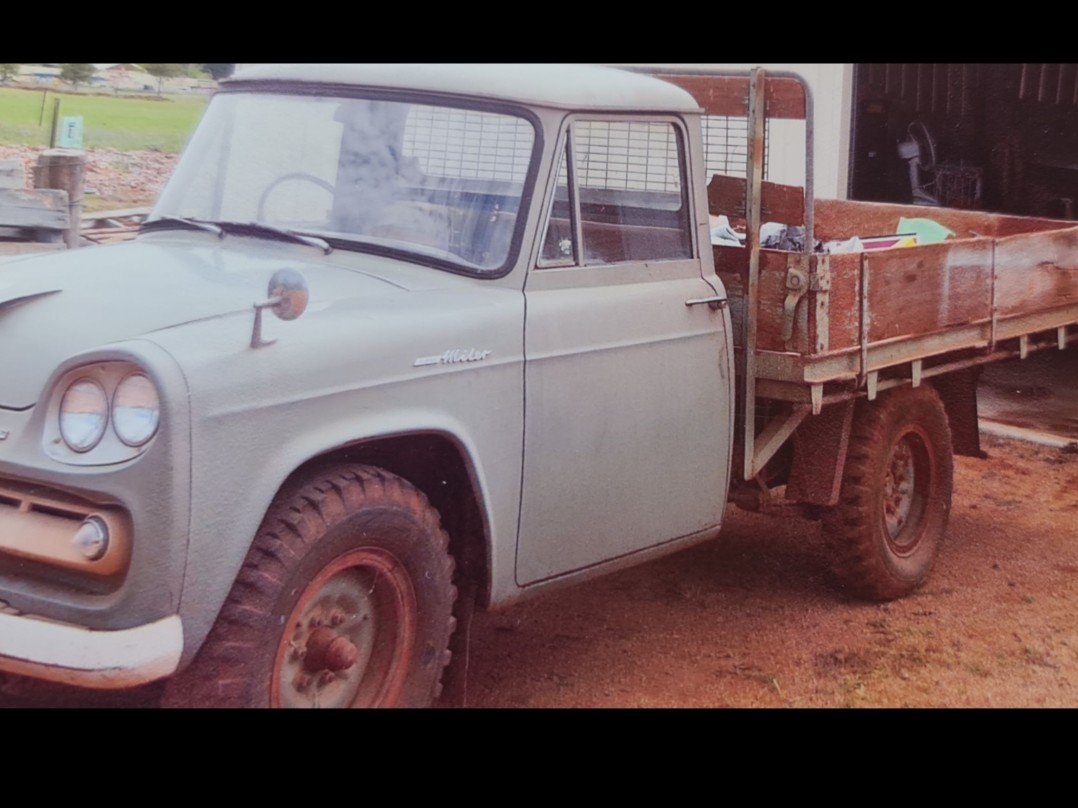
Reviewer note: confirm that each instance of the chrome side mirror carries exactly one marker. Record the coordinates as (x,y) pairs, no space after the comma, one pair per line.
(288,298)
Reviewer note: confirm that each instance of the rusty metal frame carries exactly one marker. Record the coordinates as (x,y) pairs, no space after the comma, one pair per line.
(994,303)
(849,365)
(820,283)
(795,391)
(758,78)
(773,436)
(798,285)
(755,460)
(757,84)
(866,318)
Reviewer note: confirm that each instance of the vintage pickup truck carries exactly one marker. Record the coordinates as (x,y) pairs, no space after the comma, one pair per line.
(398,342)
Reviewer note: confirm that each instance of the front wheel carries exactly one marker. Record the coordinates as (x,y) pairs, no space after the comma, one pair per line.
(889,525)
(345,600)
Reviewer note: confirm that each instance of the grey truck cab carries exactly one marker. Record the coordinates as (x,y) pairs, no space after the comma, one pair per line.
(394,341)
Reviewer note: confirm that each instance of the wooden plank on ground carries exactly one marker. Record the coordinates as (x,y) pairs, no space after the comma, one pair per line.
(11,174)
(45,209)
(91,219)
(10,248)
(109,235)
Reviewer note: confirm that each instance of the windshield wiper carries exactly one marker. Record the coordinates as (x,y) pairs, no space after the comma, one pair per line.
(257,228)
(196,224)
(244,228)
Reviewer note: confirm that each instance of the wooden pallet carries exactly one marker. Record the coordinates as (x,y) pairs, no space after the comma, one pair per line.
(112,226)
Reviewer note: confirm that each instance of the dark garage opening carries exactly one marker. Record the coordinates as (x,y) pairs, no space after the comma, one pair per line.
(994,137)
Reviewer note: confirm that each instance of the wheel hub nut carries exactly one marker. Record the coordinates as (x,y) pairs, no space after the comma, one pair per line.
(327,650)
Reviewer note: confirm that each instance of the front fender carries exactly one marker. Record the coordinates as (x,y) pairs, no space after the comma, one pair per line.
(241,462)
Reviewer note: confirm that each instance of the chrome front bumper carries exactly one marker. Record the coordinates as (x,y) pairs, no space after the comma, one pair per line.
(60,652)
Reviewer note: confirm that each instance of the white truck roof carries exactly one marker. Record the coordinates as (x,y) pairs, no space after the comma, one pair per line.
(562,86)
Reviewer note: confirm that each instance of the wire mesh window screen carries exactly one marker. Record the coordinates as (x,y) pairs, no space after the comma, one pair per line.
(624,155)
(469,144)
(726,145)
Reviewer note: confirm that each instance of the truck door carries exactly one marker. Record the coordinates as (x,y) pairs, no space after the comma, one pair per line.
(628,390)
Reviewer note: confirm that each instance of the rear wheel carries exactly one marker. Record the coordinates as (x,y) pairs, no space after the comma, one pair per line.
(889,525)
(345,600)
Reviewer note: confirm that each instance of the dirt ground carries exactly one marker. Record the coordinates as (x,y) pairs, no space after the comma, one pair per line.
(753,619)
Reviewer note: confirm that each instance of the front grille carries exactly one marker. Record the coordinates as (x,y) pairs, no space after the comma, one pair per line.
(37,525)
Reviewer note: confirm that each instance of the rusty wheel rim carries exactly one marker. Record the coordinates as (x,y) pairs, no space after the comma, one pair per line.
(908,472)
(349,639)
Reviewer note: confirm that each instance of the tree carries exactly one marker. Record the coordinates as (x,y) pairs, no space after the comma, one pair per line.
(219,71)
(7,71)
(76,74)
(162,72)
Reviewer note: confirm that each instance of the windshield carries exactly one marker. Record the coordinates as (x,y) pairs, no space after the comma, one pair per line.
(441,183)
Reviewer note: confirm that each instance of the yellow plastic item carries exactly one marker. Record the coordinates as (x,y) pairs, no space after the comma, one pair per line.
(926,230)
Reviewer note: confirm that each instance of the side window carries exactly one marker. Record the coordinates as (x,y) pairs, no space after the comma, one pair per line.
(630,180)
(558,241)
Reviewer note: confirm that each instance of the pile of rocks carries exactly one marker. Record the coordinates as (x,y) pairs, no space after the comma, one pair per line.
(128,178)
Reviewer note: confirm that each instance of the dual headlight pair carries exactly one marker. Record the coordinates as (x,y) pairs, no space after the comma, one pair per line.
(86,412)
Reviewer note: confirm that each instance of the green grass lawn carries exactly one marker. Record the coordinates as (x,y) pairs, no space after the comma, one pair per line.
(109,122)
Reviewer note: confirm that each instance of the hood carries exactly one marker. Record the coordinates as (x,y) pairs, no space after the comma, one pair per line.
(61,304)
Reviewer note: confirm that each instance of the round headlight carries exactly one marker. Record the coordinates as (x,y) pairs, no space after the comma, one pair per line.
(136,410)
(84,414)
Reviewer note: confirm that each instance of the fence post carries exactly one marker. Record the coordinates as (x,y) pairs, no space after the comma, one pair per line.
(64,170)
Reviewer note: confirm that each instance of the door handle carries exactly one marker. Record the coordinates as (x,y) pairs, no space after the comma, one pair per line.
(713,303)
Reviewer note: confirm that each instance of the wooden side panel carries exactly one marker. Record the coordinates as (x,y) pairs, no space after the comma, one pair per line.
(726,196)
(844,301)
(1012,225)
(1036,272)
(729,95)
(784,98)
(778,203)
(732,267)
(842,219)
(782,203)
(912,291)
(919,290)
(730,261)
(717,95)
(771,313)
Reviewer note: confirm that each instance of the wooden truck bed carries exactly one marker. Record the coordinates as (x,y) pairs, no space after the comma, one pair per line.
(853,319)
(816,329)
(1003,278)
